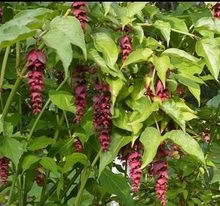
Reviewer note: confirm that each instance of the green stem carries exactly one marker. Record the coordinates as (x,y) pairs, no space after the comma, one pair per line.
(4,63)
(11,95)
(67,123)
(85,178)
(20,191)
(56,134)
(42,111)
(12,188)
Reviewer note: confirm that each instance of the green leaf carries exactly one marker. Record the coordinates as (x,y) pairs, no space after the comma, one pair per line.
(28,161)
(40,143)
(63,32)
(115,87)
(209,49)
(151,139)
(117,143)
(117,185)
(187,143)
(138,30)
(180,54)
(11,148)
(107,47)
(50,164)
(170,108)
(138,55)
(176,23)
(63,100)
(162,64)
(73,159)
(164,28)
(190,82)
(134,8)
(107,7)
(214,102)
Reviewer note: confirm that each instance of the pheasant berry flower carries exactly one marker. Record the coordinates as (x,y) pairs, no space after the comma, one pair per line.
(36,61)
(80,90)
(217,10)
(102,115)
(40,176)
(126,46)
(80,13)
(4,170)
(77,145)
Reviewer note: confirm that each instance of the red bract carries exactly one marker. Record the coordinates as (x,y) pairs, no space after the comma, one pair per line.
(102,115)
(126,46)
(36,61)
(134,161)
(77,145)
(80,90)
(80,13)
(40,176)
(4,170)
(217,10)
(161,92)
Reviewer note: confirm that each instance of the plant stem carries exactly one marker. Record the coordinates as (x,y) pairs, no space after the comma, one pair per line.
(56,134)
(85,178)
(11,95)
(67,123)
(20,191)
(42,111)
(4,63)
(12,188)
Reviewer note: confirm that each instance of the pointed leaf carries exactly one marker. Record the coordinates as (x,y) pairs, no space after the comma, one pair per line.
(151,139)
(209,49)
(11,148)
(107,46)
(50,164)
(180,54)
(187,143)
(117,143)
(28,161)
(73,159)
(40,143)
(63,100)
(117,185)
(138,55)
(165,29)
(170,108)
(134,8)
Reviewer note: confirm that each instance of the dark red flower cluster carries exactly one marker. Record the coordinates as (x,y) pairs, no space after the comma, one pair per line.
(1,15)
(80,90)
(160,172)
(4,170)
(160,91)
(80,13)
(126,46)
(217,10)
(40,177)
(36,61)
(134,162)
(77,145)
(102,115)
(206,136)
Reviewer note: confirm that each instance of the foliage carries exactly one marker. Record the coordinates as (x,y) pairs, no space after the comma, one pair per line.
(117,80)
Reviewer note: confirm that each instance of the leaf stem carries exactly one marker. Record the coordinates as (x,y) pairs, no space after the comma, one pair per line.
(67,123)
(12,188)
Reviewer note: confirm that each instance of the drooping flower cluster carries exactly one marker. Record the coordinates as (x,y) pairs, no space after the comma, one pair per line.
(36,61)
(134,162)
(160,172)
(102,115)
(217,10)
(4,170)
(80,90)
(126,46)
(80,13)
(40,177)
(77,145)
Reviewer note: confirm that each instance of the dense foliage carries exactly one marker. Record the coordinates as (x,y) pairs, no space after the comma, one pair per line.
(109,102)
